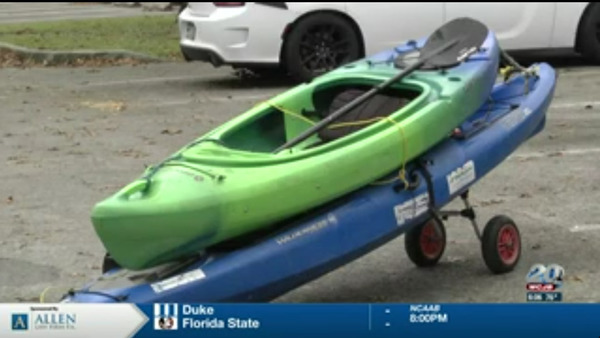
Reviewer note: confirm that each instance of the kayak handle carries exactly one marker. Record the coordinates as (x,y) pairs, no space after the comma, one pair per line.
(213,140)
(138,186)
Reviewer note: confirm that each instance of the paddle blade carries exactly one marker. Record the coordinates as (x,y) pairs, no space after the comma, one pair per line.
(468,32)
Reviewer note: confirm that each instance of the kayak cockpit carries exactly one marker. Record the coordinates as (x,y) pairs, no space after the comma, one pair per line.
(282,119)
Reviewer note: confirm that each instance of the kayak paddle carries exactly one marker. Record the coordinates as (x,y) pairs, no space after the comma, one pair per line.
(447,47)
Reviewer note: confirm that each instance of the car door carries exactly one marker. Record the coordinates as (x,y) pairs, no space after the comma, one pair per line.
(521,25)
(386,25)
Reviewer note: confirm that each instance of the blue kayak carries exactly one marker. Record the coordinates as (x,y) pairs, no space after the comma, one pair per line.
(270,264)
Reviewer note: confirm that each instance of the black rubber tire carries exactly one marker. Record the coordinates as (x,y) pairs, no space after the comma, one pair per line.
(292,53)
(490,244)
(414,248)
(589,34)
(109,263)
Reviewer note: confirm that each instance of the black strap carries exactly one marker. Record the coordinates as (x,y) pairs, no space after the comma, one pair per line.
(422,167)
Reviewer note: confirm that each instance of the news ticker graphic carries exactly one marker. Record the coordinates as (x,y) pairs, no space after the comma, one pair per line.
(544,283)
(299,320)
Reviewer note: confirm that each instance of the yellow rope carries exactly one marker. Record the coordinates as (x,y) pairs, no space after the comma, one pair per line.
(356,123)
(402,173)
(289,112)
(43,294)
(507,71)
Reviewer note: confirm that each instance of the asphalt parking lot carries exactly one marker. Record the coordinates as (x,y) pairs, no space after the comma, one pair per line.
(71,136)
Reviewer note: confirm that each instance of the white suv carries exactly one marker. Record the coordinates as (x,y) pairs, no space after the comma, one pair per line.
(309,38)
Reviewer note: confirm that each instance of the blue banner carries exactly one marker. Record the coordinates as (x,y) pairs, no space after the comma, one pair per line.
(371,320)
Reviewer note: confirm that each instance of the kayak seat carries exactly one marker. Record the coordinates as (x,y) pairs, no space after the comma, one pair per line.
(383,104)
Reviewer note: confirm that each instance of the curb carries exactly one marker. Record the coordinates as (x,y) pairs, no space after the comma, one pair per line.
(149,6)
(48,57)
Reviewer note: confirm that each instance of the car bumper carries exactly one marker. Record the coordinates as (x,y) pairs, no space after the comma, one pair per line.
(201,54)
(234,36)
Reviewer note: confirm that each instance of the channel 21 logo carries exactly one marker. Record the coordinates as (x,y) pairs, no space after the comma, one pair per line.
(541,278)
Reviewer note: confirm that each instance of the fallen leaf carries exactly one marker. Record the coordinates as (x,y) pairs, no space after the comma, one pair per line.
(110,187)
(88,132)
(171,131)
(132,153)
(10,199)
(491,202)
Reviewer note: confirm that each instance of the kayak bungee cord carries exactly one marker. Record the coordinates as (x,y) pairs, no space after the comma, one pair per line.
(154,169)
(291,113)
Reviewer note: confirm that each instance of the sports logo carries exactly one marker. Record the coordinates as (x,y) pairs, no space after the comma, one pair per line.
(165,316)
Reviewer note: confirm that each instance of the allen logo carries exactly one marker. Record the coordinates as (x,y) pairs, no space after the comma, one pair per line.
(20,322)
(165,316)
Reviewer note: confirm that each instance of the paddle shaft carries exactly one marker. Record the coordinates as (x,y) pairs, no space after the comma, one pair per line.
(361,99)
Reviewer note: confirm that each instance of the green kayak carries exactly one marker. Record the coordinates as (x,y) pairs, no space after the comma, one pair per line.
(229,182)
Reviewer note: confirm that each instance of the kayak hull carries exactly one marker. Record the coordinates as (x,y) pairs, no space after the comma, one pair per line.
(312,245)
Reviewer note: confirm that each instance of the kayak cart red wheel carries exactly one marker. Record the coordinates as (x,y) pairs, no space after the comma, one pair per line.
(501,244)
(425,243)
